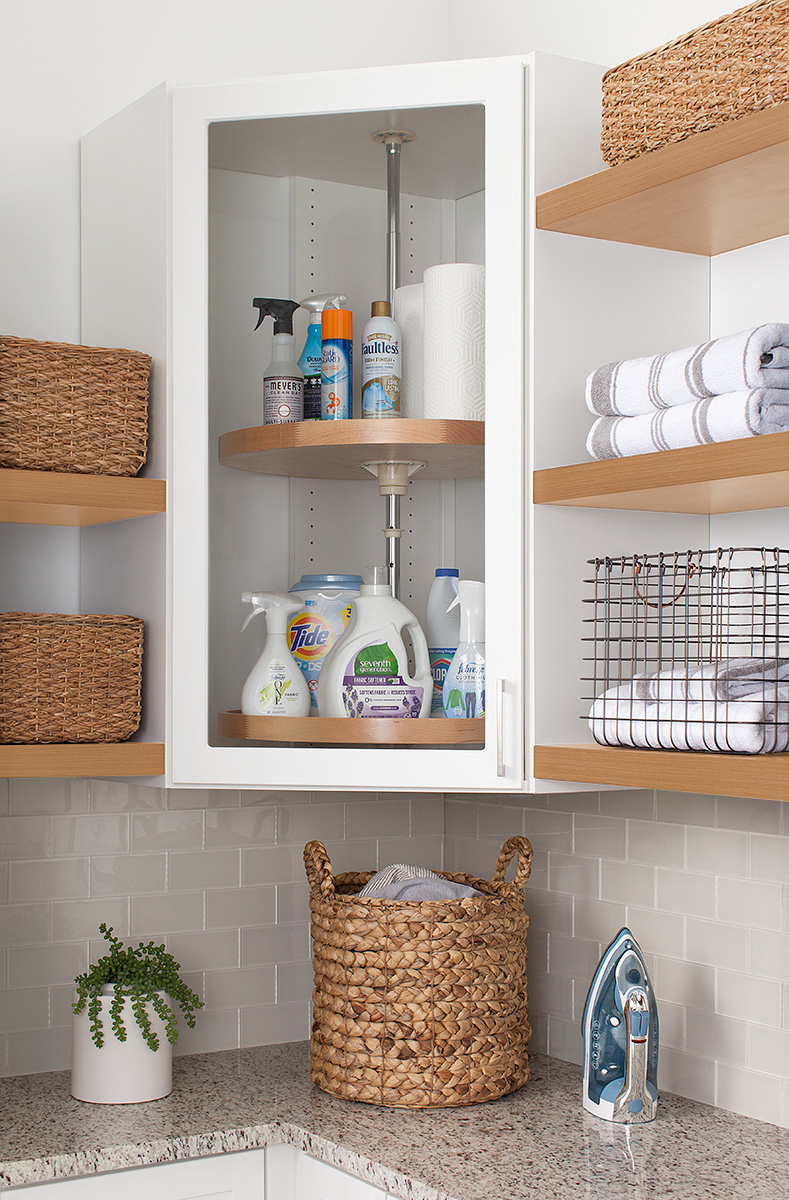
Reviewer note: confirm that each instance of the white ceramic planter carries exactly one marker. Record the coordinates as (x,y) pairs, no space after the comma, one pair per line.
(120,1072)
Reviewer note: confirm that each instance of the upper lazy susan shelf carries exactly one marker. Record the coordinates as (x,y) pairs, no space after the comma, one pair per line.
(715,191)
(337,449)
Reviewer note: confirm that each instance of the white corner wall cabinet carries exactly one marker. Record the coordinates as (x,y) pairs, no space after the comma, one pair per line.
(197,199)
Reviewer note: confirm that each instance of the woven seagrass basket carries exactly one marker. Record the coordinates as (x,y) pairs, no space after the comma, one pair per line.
(72,408)
(734,65)
(419,1005)
(69,678)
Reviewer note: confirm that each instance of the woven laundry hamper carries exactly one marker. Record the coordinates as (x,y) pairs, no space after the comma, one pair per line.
(734,65)
(69,678)
(72,408)
(419,1005)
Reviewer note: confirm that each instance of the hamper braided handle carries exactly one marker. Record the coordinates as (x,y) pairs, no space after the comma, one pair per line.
(318,867)
(514,845)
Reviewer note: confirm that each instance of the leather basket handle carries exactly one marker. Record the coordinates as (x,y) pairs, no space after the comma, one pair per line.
(514,845)
(319,870)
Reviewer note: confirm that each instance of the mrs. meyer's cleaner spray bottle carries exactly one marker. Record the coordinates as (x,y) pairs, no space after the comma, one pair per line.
(442,628)
(464,686)
(275,686)
(310,357)
(283,379)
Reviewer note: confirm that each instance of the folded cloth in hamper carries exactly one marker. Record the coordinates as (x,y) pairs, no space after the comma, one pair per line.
(402,881)
(717,419)
(755,358)
(747,726)
(727,679)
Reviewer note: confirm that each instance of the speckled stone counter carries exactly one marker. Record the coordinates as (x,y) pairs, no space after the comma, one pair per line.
(537,1144)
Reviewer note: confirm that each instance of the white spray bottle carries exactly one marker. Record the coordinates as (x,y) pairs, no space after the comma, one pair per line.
(464,685)
(275,686)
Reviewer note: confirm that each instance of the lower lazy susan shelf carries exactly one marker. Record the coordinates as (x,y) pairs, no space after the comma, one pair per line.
(757,776)
(341,731)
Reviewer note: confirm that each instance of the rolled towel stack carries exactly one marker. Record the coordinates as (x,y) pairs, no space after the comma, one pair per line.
(733,387)
(739,705)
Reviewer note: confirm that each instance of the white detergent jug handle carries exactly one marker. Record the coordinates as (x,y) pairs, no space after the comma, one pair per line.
(421,653)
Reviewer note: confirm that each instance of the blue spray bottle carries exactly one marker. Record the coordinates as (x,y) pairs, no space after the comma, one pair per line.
(464,685)
(310,357)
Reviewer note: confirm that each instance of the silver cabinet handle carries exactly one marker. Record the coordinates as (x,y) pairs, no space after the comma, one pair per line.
(500,727)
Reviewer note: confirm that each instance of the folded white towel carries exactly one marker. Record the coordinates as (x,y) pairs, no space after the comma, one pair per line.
(752,725)
(755,358)
(718,419)
(726,679)
(403,881)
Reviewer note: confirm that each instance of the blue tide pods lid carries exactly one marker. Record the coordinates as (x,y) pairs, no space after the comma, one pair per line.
(308,582)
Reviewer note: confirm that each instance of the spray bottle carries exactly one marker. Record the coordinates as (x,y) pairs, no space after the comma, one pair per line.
(381,368)
(283,379)
(310,357)
(275,687)
(336,364)
(464,685)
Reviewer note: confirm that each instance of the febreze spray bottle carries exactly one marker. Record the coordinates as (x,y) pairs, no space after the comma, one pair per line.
(275,686)
(365,674)
(310,357)
(336,364)
(283,379)
(464,685)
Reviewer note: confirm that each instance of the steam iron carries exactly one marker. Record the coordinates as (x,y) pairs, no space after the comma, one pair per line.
(620,1031)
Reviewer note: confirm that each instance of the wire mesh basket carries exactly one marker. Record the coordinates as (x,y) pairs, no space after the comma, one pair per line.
(690,650)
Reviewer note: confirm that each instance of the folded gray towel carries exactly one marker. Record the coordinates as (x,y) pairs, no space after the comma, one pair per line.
(718,419)
(754,358)
(402,881)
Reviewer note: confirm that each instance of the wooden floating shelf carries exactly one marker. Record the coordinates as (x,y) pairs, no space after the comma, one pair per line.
(336,449)
(713,192)
(342,731)
(758,776)
(745,475)
(58,498)
(81,759)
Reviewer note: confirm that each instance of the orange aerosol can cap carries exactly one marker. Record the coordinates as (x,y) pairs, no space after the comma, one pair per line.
(337,323)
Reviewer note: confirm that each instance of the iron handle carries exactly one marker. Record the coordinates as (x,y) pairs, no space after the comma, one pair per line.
(500,728)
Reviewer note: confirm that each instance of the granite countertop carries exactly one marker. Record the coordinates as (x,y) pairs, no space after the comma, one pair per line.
(536,1143)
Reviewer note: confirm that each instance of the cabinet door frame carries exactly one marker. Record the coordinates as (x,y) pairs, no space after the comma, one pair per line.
(501,86)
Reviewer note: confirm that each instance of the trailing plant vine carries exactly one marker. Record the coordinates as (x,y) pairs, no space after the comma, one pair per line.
(138,973)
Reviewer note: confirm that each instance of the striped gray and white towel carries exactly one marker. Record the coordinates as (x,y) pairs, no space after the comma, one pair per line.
(717,419)
(754,358)
(403,881)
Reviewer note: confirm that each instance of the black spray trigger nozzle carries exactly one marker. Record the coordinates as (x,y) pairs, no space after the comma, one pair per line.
(281,310)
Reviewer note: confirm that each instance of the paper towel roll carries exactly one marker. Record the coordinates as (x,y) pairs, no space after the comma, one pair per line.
(455,342)
(409,313)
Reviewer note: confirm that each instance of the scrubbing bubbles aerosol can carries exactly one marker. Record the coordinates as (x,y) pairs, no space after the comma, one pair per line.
(365,674)
(442,628)
(464,685)
(275,686)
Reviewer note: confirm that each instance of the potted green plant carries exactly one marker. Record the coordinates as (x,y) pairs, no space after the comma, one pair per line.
(124,1029)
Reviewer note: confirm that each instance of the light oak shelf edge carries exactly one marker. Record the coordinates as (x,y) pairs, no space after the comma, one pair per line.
(369,731)
(75,760)
(62,498)
(337,449)
(756,776)
(710,193)
(743,475)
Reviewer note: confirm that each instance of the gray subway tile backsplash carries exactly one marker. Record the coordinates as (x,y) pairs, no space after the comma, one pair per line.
(702,881)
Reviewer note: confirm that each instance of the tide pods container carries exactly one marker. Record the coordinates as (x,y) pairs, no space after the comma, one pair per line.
(313,630)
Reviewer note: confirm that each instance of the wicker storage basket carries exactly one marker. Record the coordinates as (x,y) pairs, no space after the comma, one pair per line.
(734,65)
(72,408)
(68,678)
(419,1005)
